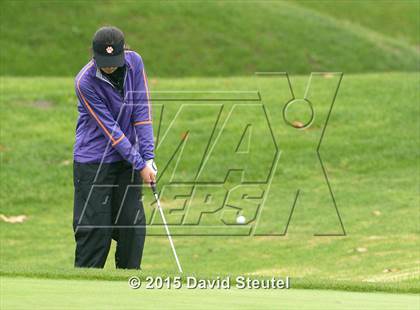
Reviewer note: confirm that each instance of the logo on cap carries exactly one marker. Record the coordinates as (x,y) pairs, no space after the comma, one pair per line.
(109,49)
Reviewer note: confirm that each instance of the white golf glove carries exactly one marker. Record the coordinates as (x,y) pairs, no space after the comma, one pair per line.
(151,163)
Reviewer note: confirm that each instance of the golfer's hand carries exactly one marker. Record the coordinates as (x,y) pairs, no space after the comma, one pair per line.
(148,174)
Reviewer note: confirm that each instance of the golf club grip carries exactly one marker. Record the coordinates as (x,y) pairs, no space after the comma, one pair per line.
(153,187)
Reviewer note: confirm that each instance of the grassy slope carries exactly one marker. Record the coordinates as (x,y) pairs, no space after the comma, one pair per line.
(56,294)
(369,151)
(394,19)
(210,38)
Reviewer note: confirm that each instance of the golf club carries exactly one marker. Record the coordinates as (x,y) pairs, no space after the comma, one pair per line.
(155,193)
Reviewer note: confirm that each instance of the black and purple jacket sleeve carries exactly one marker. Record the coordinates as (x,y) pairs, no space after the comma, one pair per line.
(142,113)
(106,122)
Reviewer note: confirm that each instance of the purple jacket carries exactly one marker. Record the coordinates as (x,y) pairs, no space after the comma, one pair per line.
(111,128)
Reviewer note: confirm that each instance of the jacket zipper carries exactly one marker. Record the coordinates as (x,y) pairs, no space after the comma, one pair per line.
(124,85)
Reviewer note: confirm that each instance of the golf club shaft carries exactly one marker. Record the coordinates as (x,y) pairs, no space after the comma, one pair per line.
(155,193)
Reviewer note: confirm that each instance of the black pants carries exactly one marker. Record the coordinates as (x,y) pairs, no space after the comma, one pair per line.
(107,206)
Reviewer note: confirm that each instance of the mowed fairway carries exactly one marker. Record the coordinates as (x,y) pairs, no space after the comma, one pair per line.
(370,149)
(18,293)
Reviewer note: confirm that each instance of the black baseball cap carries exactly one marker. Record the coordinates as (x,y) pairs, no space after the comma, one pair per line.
(108,47)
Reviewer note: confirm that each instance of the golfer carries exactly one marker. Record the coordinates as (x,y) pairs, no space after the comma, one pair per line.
(113,153)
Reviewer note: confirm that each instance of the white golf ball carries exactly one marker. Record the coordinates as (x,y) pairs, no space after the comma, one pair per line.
(240,219)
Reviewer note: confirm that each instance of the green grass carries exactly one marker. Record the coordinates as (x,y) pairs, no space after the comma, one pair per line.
(72,294)
(215,38)
(394,19)
(370,151)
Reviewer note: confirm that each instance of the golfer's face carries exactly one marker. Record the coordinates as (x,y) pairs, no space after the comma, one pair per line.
(108,70)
